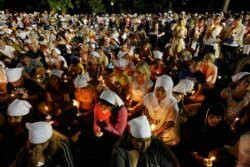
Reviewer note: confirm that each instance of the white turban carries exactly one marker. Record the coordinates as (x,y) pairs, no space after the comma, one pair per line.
(39,132)
(56,72)
(13,74)
(184,86)
(18,108)
(111,97)
(157,54)
(81,81)
(95,54)
(121,63)
(238,76)
(140,127)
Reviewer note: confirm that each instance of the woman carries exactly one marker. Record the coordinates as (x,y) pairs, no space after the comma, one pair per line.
(161,108)
(139,85)
(110,115)
(110,122)
(206,132)
(57,95)
(210,70)
(180,34)
(45,147)
(237,96)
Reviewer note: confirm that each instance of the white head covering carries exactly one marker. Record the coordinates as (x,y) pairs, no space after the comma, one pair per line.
(56,72)
(95,54)
(57,51)
(39,132)
(244,151)
(238,76)
(81,81)
(13,74)
(140,127)
(184,86)
(18,108)
(150,100)
(111,97)
(121,63)
(157,54)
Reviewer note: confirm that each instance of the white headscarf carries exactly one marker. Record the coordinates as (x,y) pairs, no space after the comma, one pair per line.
(156,110)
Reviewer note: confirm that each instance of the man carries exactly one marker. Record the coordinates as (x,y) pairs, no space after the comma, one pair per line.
(139,148)
(232,38)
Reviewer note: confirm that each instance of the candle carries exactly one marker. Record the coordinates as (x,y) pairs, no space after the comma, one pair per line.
(235,121)
(38,78)
(76,104)
(65,78)
(99,133)
(152,127)
(209,161)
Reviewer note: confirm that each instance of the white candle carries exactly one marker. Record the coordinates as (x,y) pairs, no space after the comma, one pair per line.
(76,104)
(152,127)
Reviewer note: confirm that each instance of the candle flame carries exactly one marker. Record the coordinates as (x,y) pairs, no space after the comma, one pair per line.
(152,127)
(75,103)
(46,108)
(212,158)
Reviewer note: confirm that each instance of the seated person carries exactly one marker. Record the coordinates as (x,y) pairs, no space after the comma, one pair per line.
(195,75)
(31,67)
(209,69)
(205,133)
(140,148)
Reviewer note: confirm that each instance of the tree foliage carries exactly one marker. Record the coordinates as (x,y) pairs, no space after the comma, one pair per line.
(60,5)
(97,6)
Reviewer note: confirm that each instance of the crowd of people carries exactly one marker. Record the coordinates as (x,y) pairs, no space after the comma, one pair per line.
(122,90)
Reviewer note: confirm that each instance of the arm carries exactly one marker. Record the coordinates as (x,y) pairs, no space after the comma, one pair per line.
(66,155)
(121,123)
(117,160)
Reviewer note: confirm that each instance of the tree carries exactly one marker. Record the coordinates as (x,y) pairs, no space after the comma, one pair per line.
(225,5)
(60,5)
(97,6)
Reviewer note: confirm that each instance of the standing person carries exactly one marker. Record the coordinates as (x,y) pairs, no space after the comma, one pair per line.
(232,39)
(139,148)
(156,36)
(45,147)
(161,109)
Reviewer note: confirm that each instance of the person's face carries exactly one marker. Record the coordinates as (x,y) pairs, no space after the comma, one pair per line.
(236,22)
(245,84)
(217,20)
(105,108)
(160,93)
(26,48)
(139,75)
(213,120)
(195,66)
(14,120)
(54,54)
(39,148)
(25,61)
(53,80)
(141,144)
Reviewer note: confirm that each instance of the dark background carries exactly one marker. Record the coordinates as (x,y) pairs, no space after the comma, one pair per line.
(149,6)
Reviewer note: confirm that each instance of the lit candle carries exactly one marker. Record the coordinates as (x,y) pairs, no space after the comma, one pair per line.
(99,133)
(235,121)
(76,104)
(65,78)
(152,127)
(48,71)
(38,78)
(209,161)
